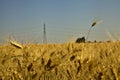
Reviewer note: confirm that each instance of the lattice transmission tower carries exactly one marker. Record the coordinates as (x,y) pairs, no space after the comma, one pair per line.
(44,34)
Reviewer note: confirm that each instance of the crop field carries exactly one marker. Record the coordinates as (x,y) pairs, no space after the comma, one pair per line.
(68,61)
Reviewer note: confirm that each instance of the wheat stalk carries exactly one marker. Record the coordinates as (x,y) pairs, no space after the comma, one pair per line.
(93,24)
(15,44)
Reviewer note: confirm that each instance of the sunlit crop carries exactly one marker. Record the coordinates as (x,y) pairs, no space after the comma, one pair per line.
(68,61)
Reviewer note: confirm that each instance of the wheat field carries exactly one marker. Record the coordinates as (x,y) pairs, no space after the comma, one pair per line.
(68,61)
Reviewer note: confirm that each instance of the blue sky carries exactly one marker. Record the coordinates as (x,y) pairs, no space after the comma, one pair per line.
(65,19)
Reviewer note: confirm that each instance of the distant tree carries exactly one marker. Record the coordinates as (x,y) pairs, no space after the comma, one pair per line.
(80,40)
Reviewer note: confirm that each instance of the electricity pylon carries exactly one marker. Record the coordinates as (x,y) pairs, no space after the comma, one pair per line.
(44,34)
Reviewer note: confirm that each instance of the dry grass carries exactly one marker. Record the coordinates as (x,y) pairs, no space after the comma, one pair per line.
(70,61)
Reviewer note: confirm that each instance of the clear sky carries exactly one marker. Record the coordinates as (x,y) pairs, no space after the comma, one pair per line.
(65,19)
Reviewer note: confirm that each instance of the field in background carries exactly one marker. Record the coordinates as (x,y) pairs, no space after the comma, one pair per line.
(69,61)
